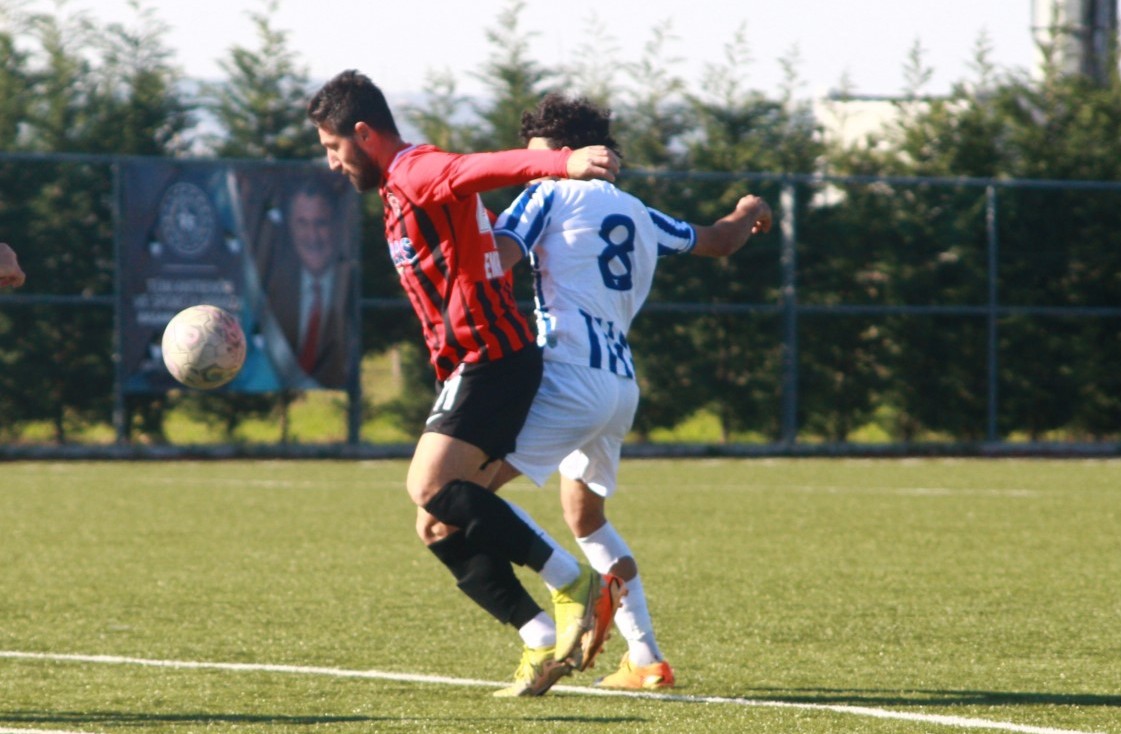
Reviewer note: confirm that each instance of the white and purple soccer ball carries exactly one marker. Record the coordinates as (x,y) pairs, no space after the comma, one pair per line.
(203,347)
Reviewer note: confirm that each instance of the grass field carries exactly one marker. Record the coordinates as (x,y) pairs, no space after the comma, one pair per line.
(790,595)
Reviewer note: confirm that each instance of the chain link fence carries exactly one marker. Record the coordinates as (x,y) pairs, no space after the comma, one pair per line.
(883,316)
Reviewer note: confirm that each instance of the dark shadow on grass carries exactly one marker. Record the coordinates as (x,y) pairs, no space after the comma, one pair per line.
(588,719)
(124,718)
(132,718)
(846,697)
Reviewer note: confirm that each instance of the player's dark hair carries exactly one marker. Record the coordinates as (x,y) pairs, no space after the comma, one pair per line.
(348,99)
(569,123)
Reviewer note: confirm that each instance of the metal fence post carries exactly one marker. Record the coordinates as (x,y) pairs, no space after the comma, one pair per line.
(354,383)
(789,300)
(993,311)
(120,410)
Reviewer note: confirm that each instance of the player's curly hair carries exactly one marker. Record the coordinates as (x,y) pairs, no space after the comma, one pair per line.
(569,123)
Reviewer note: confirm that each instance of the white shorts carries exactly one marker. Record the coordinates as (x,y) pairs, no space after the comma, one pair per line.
(576,425)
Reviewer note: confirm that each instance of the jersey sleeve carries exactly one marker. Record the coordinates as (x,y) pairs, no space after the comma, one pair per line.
(674,235)
(437,176)
(525,220)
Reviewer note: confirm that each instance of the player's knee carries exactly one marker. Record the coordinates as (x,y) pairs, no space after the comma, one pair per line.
(424,479)
(424,529)
(429,529)
(584,518)
(422,486)
(625,568)
(583,523)
(419,493)
(584,511)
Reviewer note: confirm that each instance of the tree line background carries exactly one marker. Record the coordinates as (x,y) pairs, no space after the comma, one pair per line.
(70,85)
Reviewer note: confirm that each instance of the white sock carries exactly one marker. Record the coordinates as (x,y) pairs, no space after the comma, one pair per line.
(539,631)
(562,568)
(634,623)
(603,549)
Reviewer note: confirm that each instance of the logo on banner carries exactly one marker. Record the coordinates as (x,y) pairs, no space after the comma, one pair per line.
(186,220)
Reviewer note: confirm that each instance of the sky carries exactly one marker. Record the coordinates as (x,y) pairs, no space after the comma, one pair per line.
(398,44)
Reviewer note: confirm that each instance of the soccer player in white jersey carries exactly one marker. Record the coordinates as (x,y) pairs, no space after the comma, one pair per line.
(593,249)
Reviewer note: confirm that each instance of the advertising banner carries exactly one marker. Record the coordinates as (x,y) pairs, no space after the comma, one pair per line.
(274,245)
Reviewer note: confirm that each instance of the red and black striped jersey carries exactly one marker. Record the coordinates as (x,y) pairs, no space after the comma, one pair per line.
(440,239)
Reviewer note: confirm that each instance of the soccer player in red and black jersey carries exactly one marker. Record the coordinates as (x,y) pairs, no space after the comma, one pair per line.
(486,362)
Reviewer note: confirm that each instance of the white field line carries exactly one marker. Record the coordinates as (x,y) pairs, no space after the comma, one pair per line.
(866,711)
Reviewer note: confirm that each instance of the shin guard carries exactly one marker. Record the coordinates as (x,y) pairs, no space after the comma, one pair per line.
(490,582)
(488,523)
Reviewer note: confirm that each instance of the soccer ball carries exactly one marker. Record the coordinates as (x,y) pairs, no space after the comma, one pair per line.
(203,347)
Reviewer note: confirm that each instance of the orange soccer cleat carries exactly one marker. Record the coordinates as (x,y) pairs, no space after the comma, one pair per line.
(639,677)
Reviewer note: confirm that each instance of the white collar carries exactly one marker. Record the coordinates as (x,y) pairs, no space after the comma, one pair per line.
(403,151)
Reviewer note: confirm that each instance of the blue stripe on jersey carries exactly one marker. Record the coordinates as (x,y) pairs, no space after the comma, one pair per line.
(540,220)
(619,360)
(624,354)
(526,231)
(612,347)
(595,359)
(517,209)
(675,228)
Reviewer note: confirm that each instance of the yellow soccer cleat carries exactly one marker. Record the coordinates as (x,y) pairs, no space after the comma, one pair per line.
(584,611)
(639,677)
(536,673)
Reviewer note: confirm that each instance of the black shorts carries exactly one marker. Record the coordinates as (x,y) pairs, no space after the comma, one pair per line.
(486,404)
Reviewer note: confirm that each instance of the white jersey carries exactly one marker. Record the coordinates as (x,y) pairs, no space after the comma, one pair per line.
(593,249)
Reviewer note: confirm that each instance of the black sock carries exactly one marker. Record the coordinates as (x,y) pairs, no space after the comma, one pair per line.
(489,524)
(489,582)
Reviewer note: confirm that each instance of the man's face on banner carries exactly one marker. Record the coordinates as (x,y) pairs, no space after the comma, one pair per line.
(312,231)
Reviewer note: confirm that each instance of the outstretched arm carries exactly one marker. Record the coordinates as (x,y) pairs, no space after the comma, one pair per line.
(10,272)
(728,234)
(439,177)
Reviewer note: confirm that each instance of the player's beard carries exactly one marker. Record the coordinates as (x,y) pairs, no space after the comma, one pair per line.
(367,174)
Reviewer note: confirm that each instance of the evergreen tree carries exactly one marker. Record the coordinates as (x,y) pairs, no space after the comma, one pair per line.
(14,100)
(595,68)
(651,115)
(14,97)
(142,110)
(438,116)
(513,80)
(921,246)
(262,105)
(733,358)
(61,85)
(1060,248)
(262,110)
(932,249)
(90,90)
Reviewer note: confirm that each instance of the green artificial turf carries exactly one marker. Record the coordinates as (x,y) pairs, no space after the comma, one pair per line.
(790,595)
